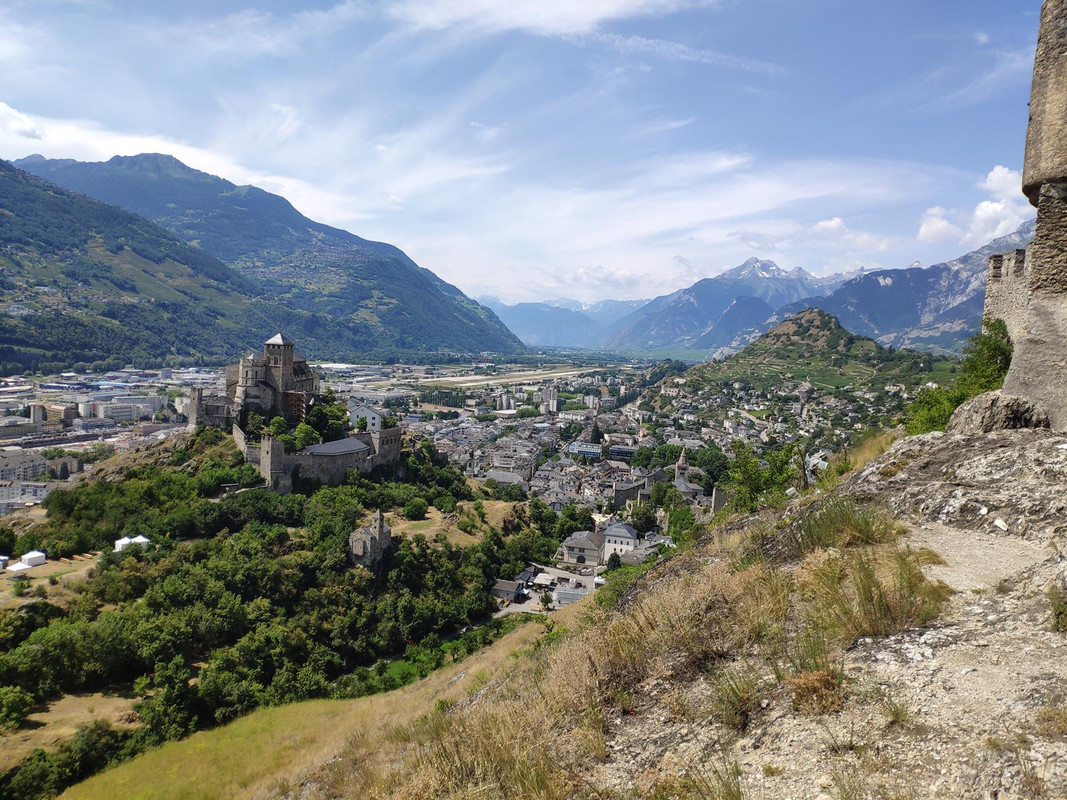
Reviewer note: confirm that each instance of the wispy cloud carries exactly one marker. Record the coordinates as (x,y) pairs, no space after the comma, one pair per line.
(550,17)
(661,125)
(675,51)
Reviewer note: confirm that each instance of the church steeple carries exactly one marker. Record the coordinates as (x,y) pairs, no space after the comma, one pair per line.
(681,469)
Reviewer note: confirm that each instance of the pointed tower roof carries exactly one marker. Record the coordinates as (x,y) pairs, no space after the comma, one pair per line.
(278,339)
(682,460)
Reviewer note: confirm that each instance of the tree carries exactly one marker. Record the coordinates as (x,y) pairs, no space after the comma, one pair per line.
(643,517)
(361,424)
(415,508)
(278,427)
(596,436)
(305,436)
(546,601)
(614,562)
(751,481)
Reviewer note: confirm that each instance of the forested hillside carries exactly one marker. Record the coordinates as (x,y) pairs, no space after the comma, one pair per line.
(373,288)
(252,593)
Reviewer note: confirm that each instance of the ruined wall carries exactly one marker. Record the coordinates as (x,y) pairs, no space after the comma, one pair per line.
(1038,371)
(1007,290)
(251,451)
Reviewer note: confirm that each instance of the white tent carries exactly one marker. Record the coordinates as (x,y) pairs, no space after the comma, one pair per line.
(122,544)
(139,539)
(34,558)
(18,566)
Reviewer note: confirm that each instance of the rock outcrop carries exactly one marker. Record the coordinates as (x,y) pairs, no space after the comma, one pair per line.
(994,411)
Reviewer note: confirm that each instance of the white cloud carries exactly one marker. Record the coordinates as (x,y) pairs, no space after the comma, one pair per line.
(1003,183)
(483,132)
(935,227)
(551,17)
(17,125)
(828,234)
(981,38)
(999,216)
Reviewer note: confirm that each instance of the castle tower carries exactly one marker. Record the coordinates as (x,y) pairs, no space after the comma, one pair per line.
(1039,364)
(279,354)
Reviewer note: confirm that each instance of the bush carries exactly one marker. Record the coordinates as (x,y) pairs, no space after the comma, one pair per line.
(416,508)
(986,362)
(15,705)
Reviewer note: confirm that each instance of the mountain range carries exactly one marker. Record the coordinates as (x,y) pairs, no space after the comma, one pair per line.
(389,303)
(563,322)
(931,308)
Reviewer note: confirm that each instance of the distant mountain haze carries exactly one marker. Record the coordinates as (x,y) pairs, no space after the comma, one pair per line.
(296,261)
(935,308)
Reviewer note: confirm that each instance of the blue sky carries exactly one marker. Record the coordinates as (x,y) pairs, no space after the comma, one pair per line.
(534,149)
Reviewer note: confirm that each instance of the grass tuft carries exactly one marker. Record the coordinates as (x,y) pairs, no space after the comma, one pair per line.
(737,696)
(843,523)
(857,596)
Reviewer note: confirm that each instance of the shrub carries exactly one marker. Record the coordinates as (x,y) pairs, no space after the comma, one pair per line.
(986,362)
(15,705)
(416,508)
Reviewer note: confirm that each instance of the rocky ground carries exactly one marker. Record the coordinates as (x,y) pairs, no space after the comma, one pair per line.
(972,706)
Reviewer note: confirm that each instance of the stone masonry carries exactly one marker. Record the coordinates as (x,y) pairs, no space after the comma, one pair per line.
(1029,290)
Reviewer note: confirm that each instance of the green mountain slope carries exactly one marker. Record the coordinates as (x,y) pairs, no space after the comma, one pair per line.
(299,262)
(85,283)
(812,346)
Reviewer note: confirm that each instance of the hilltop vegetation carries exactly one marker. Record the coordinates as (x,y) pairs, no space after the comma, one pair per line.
(89,285)
(813,347)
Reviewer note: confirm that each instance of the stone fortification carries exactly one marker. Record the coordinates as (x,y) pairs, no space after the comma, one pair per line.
(1029,291)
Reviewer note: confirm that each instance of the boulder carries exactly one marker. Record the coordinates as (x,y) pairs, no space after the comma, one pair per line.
(995,411)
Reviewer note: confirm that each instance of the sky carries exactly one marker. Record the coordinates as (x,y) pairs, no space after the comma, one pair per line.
(538,149)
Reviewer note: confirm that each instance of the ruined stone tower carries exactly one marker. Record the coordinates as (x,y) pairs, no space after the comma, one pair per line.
(1039,304)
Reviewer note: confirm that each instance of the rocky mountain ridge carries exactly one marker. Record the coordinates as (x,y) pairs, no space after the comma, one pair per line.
(933,308)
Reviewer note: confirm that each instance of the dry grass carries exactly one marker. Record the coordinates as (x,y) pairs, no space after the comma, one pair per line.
(266,752)
(870,449)
(872,594)
(530,728)
(60,720)
(843,523)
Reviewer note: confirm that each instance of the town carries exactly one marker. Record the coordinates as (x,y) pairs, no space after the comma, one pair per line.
(628,442)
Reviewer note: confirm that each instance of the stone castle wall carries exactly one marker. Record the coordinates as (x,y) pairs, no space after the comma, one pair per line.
(1007,290)
(278,468)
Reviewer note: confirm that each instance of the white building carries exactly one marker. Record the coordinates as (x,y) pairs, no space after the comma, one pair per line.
(357,412)
(620,538)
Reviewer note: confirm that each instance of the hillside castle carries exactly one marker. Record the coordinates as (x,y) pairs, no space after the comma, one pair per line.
(279,382)
(1028,288)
